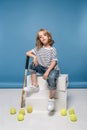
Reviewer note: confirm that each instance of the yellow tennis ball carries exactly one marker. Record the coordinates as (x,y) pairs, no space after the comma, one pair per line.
(20,117)
(73,117)
(71,111)
(13,111)
(29,109)
(22,111)
(63,112)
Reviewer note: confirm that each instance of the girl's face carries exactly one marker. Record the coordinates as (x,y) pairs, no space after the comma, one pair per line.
(43,37)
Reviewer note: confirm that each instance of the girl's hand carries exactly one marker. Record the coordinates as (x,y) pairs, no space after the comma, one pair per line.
(45,75)
(35,61)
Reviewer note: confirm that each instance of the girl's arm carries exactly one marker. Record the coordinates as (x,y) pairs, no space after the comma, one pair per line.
(32,55)
(52,65)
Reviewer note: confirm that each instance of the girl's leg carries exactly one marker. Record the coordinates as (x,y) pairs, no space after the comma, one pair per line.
(33,87)
(52,78)
(36,69)
(33,70)
(52,94)
(51,101)
(34,79)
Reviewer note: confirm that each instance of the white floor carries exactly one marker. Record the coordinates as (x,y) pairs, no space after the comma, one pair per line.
(77,98)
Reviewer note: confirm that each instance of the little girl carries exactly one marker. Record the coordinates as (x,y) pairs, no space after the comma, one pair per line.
(44,62)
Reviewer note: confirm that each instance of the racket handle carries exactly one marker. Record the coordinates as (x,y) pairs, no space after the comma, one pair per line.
(27,62)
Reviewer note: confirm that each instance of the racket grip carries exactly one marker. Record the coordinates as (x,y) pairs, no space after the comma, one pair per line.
(27,62)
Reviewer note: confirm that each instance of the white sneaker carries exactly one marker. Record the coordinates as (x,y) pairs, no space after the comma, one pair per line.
(31,88)
(51,104)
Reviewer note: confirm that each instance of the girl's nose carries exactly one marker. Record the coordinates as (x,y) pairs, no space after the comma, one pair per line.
(42,37)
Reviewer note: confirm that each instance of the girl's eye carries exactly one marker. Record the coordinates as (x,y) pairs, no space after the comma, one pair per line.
(45,34)
(40,37)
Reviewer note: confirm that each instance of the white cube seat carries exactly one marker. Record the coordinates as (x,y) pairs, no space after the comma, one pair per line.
(62,82)
(39,100)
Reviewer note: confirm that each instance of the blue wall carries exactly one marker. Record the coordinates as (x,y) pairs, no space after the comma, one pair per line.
(19,22)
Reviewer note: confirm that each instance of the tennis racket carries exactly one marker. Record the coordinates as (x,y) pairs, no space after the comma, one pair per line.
(25,82)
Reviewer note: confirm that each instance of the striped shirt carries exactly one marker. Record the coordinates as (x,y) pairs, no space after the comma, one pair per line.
(45,56)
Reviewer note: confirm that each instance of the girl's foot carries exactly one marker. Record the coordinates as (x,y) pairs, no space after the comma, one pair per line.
(51,104)
(31,89)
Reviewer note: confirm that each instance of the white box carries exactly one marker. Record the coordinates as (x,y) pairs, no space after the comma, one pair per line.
(41,104)
(62,82)
(39,100)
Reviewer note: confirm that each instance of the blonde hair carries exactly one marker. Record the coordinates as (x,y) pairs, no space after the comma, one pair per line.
(39,44)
